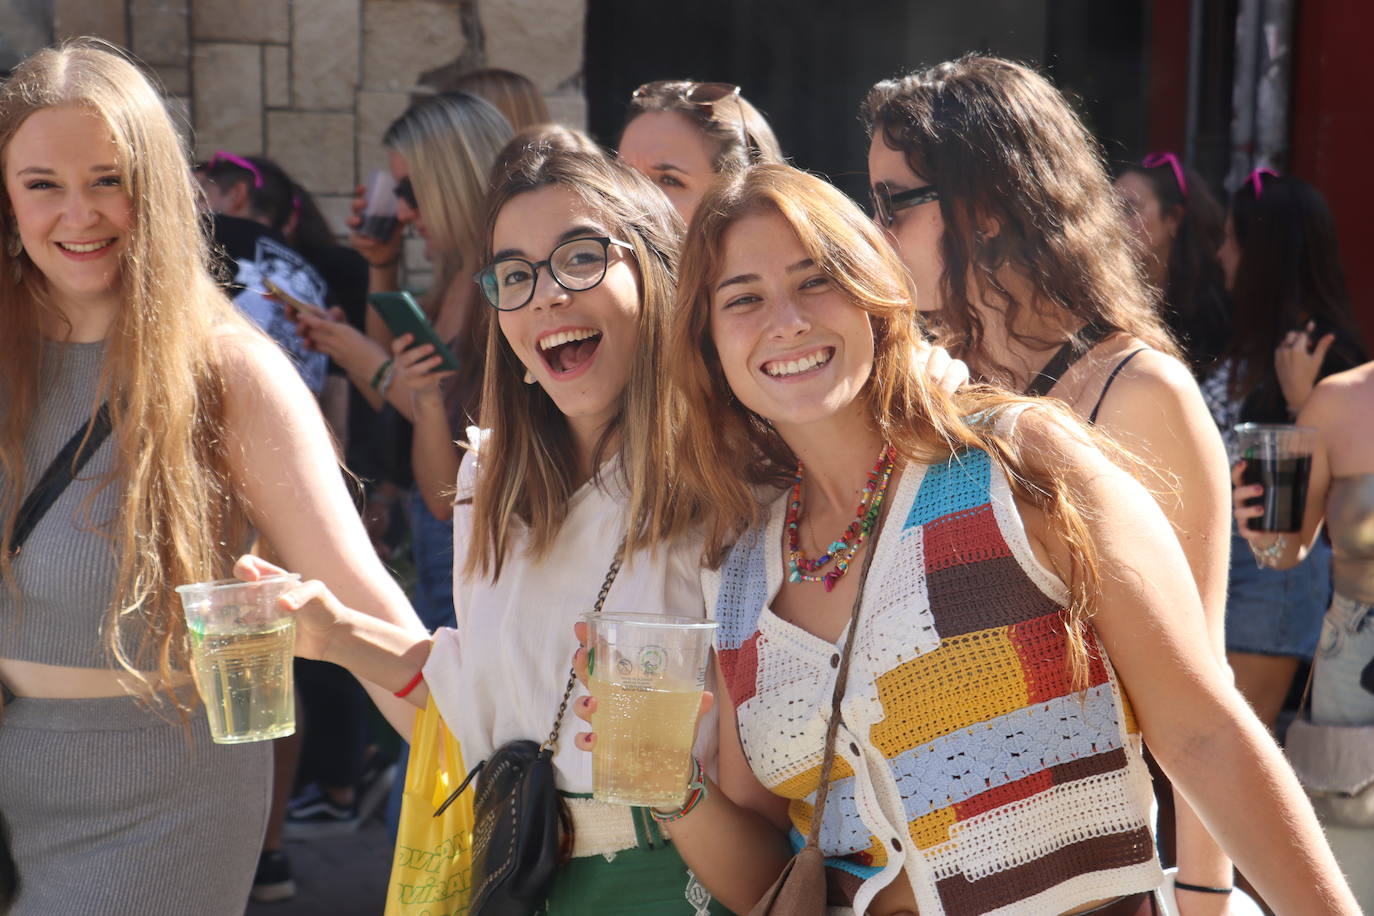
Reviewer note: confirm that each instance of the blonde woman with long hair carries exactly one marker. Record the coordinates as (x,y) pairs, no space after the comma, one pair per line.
(513,94)
(1010,646)
(116,797)
(440,151)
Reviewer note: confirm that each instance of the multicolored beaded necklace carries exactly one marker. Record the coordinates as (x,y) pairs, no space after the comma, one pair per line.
(842,551)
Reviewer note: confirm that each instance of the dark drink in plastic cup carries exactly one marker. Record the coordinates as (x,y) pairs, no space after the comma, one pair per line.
(1278,458)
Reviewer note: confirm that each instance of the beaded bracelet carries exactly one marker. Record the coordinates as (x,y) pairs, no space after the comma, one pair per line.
(696,792)
(1267,556)
(1180,886)
(381,371)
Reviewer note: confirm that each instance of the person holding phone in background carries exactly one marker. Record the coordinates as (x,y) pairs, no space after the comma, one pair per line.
(440,152)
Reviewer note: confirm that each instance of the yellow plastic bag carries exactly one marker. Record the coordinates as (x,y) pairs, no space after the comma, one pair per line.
(431,874)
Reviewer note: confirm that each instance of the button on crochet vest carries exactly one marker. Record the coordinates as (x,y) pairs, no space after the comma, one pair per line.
(965,758)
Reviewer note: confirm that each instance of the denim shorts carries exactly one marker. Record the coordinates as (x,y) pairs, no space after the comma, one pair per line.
(1276,612)
(432,548)
(1347,646)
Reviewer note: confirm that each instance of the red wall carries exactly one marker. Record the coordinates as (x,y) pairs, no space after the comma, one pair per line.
(1333,130)
(1168,100)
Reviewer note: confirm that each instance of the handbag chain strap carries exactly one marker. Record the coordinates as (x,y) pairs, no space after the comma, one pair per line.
(551,743)
(841,677)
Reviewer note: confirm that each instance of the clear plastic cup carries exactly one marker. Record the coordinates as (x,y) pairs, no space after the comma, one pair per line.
(242,647)
(647,672)
(379,218)
(1279,458)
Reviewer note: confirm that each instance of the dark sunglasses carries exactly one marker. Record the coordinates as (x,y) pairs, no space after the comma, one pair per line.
(406,191)
(705,96)
(576,265)
(886,204)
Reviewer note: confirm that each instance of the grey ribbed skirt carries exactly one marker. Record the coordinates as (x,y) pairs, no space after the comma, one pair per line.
(113,811)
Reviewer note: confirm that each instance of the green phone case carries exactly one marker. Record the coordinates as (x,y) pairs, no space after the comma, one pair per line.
(402,315)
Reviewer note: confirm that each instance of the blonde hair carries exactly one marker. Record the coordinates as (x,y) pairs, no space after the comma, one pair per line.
(177,518)
(449,142)
(725,451)
(513,94)
(528,460)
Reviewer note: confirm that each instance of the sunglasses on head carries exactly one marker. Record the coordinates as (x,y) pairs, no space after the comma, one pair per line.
(406,191)
(704,96)
(1158,160)
(225,156)
(886,204)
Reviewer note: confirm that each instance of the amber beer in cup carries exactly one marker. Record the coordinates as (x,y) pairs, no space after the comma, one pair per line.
(647,672)
(242,650)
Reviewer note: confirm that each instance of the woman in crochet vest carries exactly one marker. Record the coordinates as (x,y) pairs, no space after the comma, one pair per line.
(987,755)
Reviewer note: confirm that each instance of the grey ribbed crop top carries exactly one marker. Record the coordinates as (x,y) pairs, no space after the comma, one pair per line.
(66,571)
(1350,520)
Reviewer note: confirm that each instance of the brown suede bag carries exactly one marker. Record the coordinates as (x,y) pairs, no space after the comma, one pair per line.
(800,890)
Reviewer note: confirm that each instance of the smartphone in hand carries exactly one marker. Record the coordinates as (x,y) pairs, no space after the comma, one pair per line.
(402,315)
(291,301)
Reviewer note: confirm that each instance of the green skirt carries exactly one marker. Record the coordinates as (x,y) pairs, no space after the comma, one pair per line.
(649,878)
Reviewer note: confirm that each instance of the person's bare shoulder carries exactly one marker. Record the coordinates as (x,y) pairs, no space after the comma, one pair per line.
(1342,402)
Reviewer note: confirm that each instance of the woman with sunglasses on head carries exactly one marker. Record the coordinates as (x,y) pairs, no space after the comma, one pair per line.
(1179,226)
(681,134)
(997,200)
(1293,327)
(116,797)
(440,152)
(986,754)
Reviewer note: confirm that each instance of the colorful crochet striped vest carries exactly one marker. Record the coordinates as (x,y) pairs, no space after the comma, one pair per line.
(965,758)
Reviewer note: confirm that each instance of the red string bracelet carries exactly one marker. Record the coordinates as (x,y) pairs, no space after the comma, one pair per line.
(414,682)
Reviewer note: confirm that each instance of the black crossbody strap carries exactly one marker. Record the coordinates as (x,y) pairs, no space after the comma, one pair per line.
(1090,336)
(58,475)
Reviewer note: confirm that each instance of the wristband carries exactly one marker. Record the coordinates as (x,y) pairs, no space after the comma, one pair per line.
(696,792)
(381,371)
(414,682)
(387,380)
(1201,889)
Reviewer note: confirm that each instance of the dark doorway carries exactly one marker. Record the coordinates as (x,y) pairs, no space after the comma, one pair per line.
(808,63)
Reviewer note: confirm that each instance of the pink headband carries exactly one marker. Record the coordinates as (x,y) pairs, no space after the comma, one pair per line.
(1155,160)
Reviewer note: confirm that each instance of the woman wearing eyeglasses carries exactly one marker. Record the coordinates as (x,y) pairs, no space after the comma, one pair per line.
(580,273)
(1178,224)
(1293,327)
(681,134)
(997,200)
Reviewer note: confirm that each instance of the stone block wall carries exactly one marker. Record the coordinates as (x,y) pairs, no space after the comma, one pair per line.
(314,83)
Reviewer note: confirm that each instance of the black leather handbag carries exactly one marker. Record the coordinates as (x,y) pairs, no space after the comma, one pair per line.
(522,830)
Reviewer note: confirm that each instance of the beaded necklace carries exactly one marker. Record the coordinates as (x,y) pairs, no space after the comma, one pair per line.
(802,569)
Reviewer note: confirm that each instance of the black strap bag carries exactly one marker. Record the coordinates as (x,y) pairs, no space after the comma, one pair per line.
(59,473)
(522,830)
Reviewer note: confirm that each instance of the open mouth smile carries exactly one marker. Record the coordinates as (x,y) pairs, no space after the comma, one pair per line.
(800,365)
(568,351)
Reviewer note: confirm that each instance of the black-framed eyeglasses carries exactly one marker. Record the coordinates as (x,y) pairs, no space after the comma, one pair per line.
(406,191)
(706,96)
(576,265)
(886,204)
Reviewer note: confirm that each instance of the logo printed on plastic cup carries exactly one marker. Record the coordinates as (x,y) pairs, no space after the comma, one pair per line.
(652,659)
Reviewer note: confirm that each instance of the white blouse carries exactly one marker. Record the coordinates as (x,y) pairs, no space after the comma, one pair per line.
(500,675)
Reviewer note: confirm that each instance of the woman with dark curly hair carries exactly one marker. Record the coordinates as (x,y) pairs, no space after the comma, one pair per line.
(998,201)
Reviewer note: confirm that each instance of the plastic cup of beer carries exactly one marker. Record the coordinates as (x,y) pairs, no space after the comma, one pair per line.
(379,217)
(1279,458)
(647,672)
(242,647)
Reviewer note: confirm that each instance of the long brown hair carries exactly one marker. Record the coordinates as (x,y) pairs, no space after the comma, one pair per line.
(725,452)
(177,520)
(1001,143)
(528,457)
